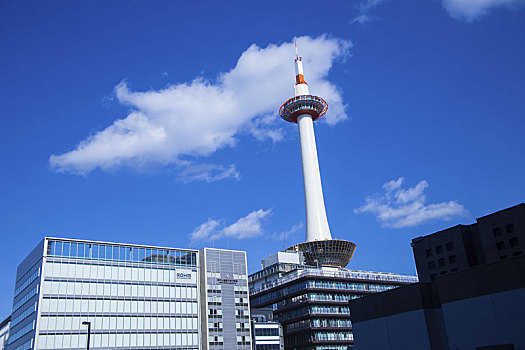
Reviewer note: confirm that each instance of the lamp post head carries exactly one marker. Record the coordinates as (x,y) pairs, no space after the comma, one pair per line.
(86,323)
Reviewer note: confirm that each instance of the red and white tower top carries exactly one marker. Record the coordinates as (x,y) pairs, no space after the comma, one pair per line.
(303,102)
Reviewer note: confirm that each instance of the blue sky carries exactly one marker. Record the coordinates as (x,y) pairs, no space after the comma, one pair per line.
(156,122)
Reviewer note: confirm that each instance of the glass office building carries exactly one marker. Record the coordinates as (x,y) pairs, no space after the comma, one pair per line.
(135,297)
(312,302)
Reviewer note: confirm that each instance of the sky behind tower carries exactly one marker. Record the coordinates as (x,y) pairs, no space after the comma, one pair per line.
(157,122)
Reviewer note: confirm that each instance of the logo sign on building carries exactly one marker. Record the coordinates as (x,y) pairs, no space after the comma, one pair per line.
(185,276)
(227,280)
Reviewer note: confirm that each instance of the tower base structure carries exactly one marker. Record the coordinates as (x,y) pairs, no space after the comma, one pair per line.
(328,252)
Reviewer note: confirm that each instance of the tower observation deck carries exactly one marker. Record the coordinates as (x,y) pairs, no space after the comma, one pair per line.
(303,109)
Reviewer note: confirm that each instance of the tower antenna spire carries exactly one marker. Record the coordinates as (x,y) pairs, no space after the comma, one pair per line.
(303,109)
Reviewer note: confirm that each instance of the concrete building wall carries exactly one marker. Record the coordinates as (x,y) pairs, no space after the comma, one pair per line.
(391,332)
(503,233)
(476,309)
(487,320)
(441,253)
(495,237)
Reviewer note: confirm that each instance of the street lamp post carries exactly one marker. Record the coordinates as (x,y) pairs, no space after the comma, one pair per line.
(88,324)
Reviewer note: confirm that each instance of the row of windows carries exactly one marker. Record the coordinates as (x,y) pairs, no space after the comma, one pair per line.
(267,347)
(331,296)
(441,262)
(439,249)
(108,272)
(216,338)
(107,290)
(319,323)
(314,309)
(329,322)
(347,286)
(317,297)
(30,310)
(235,276)
(26,346)
(129,324)
(267,331)
(121,253)
(513,242)
(509,228)
(25,298)
(214,325)
(279,267)
(322,309)
(117,306)
(21,332)
(68,341)
(27,282)
(317,336)
(305,338)
(213,312)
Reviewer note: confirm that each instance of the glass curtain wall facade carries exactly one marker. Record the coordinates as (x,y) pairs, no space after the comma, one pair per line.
(135,297)
(26,300)
(312,303)
(225,301)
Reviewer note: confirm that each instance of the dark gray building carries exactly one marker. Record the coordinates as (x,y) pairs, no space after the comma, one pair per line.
(492,238)
(481,308)
(477,306)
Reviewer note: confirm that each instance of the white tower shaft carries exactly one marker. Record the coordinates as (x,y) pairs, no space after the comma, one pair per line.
(316,221)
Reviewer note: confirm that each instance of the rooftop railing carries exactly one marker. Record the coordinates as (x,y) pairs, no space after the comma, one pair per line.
(347,275)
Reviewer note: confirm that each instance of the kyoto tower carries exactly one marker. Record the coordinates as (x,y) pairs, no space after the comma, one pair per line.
(303,109)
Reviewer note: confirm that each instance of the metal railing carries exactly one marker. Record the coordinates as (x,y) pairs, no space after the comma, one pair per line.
(350,274)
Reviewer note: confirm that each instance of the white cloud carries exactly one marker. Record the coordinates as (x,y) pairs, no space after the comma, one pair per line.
(280,236)
(365,7)
(208,173)
(398,207)
(205,230)
(183,122)
(470,10)
(246,227)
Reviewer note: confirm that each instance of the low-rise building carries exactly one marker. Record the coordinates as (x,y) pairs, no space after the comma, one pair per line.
(311,302)
(494,237)
(267,333)
(130,296)
(477,304)
(4,332)
(481,308)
